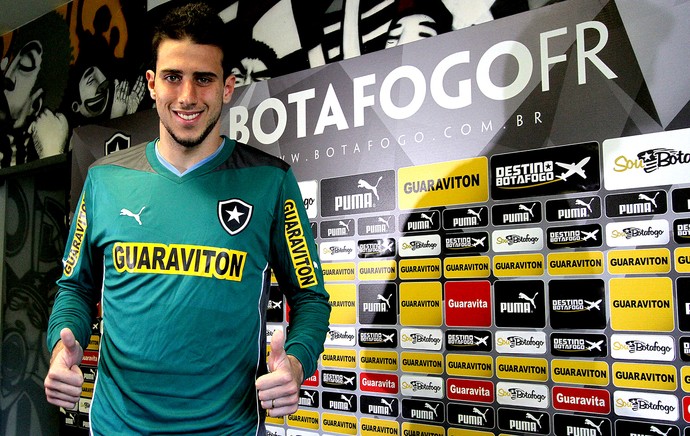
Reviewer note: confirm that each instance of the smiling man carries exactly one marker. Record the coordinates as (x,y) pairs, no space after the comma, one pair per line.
(177,239)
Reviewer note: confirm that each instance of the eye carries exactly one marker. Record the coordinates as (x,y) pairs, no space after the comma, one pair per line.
(172,78)
(204,80)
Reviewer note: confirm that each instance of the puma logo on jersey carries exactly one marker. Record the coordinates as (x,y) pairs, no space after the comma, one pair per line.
(136,216)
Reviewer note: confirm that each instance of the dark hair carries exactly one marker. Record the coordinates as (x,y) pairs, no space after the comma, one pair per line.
(196,21)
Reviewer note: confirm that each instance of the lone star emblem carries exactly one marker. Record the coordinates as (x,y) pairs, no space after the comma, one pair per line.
(234,215)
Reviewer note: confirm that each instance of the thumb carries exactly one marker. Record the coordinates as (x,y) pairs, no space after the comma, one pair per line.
(277,350)
(73,351)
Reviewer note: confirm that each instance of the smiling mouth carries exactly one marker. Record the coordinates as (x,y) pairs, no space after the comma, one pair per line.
(97,104)
(188,117)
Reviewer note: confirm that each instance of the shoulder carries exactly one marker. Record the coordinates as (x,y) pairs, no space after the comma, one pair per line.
(132,158)
(246,156)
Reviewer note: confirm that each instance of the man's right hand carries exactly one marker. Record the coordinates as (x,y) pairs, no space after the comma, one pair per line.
(64,379)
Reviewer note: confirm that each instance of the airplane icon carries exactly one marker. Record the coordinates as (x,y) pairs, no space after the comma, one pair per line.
(349,380)
(573,168)
(589,235)
(386,245)
(481,341)
(388,338)
(476,242)
(593,345)
(593,304)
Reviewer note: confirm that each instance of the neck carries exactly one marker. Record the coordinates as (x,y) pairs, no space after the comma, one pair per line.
(182,157)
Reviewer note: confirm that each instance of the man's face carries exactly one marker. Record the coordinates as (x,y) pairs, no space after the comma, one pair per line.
(93,92)
(20,78)
(189,91)
(411,28)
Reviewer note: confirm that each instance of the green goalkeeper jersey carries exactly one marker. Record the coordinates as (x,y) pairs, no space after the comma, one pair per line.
(182,268)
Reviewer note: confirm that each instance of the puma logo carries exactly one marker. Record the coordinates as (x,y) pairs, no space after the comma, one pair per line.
(136,216)
(361,183)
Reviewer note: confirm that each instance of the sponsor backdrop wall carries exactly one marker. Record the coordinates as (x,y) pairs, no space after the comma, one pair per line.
(503,216)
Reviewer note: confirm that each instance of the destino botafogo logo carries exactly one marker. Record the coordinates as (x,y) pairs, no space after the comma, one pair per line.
(546,171)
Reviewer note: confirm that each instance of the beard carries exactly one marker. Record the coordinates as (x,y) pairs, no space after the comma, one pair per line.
(193,142)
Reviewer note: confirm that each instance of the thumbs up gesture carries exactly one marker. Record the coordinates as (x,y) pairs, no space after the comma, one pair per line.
(279,389)
(64,379)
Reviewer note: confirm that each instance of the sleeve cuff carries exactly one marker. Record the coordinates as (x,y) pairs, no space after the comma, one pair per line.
(301,353)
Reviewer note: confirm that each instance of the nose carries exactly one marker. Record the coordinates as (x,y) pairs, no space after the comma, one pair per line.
(187,96)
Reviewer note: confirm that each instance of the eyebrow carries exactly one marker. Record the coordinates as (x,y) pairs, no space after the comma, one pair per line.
(194,74)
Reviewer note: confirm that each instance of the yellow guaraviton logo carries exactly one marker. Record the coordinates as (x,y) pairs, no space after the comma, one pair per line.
(455,182)
(338,423)
(179,259)
(522,368)
(77,240)
(575,263)
(639,261)
(299,252)
(681,259)
(469,365)
(642,304)
(304,419)
(423,363)
(685,378)
(518,265)
(337,358)
(421,303)
(342,300)
(377,427)
(378,270)
(580,372)
(338,272)
(378,360)
(466,267)
(420,269)
(413,428)
(645,376)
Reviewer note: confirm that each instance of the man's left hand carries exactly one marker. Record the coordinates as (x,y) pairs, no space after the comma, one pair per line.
(279,389)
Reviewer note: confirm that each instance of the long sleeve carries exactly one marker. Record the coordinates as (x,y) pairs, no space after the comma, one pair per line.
(79,285)
(296,265)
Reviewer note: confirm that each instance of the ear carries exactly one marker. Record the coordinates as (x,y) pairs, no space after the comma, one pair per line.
(150,82)
(228,88)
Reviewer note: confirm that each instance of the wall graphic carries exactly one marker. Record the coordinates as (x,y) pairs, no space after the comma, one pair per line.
(85,62)
(76,65)
(502,213)
(34,241)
